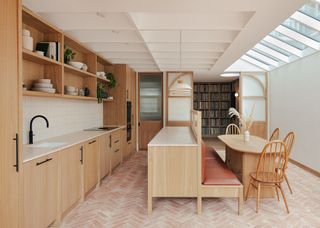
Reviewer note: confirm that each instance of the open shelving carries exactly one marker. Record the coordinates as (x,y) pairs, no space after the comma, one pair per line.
(214,101)
(37,67)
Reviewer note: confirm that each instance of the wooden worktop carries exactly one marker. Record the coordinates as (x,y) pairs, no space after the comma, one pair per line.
(174,136)
(236,142)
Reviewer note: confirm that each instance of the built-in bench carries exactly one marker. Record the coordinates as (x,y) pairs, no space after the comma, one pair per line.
(217,180)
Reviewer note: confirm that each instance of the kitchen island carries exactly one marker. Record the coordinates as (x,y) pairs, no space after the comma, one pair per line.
(172,164)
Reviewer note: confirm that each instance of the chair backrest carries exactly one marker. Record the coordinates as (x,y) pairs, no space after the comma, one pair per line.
(232,129)
(275,134)
(272,160)
(289,141)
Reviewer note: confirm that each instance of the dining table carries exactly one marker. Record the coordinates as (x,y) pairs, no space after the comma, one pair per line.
(242,158)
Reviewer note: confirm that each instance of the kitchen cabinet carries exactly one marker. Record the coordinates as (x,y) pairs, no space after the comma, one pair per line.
(91,164)
(10,116)
(115,149)
(40,194)
(123,141)
(105,153)
(71,175)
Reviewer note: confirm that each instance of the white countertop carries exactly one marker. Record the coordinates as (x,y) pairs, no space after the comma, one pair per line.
(30,152)
(174,136)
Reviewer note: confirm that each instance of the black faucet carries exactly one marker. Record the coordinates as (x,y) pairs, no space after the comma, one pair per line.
(31,132)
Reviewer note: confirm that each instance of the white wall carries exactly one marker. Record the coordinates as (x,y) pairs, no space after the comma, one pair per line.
(295,105)
(64,115)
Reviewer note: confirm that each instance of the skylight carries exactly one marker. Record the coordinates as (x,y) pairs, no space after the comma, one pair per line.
(296,37)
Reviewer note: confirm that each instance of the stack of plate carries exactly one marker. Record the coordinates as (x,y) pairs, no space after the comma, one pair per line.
(43,85)
(70,90)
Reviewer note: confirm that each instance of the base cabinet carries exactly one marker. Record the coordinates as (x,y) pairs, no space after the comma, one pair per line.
(115,149)
(40,177)
(71,177)
(105,153)
(91,164)
(123,139)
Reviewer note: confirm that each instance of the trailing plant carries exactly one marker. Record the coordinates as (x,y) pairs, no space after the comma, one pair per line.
(113,82)
(101,91)
(245,121)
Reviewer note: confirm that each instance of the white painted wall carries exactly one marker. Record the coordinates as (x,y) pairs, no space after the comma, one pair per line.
(294,105)
(64,115)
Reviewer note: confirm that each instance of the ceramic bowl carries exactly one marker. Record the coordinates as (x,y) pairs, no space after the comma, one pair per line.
(77,65)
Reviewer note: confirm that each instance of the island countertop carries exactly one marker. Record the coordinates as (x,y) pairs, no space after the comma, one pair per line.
(174,136)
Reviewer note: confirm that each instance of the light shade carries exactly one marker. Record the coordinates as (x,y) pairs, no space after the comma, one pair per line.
(180,88)
(230,74)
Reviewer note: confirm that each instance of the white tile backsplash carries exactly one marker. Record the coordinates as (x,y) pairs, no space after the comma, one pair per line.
(64,115)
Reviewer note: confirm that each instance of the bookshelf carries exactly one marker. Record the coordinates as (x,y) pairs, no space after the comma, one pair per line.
(214,101)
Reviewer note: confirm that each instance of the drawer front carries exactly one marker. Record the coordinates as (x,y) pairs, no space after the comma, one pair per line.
(116,155)
(115,137)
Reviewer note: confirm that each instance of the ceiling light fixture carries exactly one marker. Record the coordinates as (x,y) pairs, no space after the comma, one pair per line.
(230,74)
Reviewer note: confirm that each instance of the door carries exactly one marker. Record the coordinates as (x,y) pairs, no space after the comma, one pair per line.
(91,150)
(105,152)
(10,112)
(150,107)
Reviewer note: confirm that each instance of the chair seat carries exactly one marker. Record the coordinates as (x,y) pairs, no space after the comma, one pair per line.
(267,177)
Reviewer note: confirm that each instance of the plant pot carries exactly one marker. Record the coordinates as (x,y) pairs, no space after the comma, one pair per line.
(246,136)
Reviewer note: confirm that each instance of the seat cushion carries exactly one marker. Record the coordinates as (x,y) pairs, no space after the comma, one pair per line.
(217,173)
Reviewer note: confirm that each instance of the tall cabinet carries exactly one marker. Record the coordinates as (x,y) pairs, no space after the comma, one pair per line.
(115,113)
(10,127)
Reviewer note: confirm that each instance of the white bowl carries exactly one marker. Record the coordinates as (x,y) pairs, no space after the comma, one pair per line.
(47,81)
(25,32)
(39,52)
(78,65)
(42,85)
(71,93)
(69,88)
(46,90)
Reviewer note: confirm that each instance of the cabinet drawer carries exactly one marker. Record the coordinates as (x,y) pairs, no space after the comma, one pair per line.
(115,137)
(116,156)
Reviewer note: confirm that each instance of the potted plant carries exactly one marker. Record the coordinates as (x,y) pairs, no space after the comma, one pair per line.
(103,87)
(113,82)
(68,54)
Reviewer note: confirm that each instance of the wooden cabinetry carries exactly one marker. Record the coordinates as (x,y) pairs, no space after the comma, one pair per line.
(115,149)
(105,153)
(40,195)
(10,113)
(124,145)
(71,176)
(91,164)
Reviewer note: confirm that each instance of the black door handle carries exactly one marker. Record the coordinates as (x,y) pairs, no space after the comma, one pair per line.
(17,152)
(39,163)
(92,141)
(81,154)
(110,141)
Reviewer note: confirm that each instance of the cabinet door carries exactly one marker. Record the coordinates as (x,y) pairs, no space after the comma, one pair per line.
(128,83)
(133,112)
(116,149)
(105,152)
(71,162)
(123,142)
(40,191)
(10,112)
(91,165)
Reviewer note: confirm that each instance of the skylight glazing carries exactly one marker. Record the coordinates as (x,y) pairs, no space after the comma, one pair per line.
(296,38)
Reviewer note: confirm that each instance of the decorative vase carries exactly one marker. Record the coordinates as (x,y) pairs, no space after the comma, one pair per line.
(246,136)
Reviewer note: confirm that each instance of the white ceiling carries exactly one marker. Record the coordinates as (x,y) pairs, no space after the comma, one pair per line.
(205,36)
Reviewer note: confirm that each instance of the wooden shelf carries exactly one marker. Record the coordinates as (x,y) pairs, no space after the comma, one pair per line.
(76,71)
(79,97)
(103,80)
(42,94)
(34,57)
(107,100)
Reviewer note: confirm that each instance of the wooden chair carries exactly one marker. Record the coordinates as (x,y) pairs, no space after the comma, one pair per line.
(275,134)
(232,129)
(270,170)
(289,141)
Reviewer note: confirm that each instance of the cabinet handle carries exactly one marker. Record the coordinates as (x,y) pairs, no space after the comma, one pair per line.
(129,142)
(17,152)
(116,150)
(116,141)
(92,141)
(81,154)
(39,163)
(110,141)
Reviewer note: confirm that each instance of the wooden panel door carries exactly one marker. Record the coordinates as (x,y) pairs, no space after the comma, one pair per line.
(40,196)
(105,152)
(116,149)
(71,162)
(133,141)
(10,57)
(125,150)
(150,107)
(91,165)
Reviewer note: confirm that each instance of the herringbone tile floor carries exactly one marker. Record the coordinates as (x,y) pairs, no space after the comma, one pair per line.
(121,201)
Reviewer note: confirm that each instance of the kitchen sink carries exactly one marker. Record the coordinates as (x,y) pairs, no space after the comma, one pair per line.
(47,145)
(101,129)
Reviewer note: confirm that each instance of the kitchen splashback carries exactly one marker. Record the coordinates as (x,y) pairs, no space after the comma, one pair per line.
(64,115)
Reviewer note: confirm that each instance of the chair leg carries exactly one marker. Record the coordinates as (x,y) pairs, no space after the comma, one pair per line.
(284,198)
(240,201)
(258,198)
(286,178)
(249,186)
(276,188)
(199,205)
